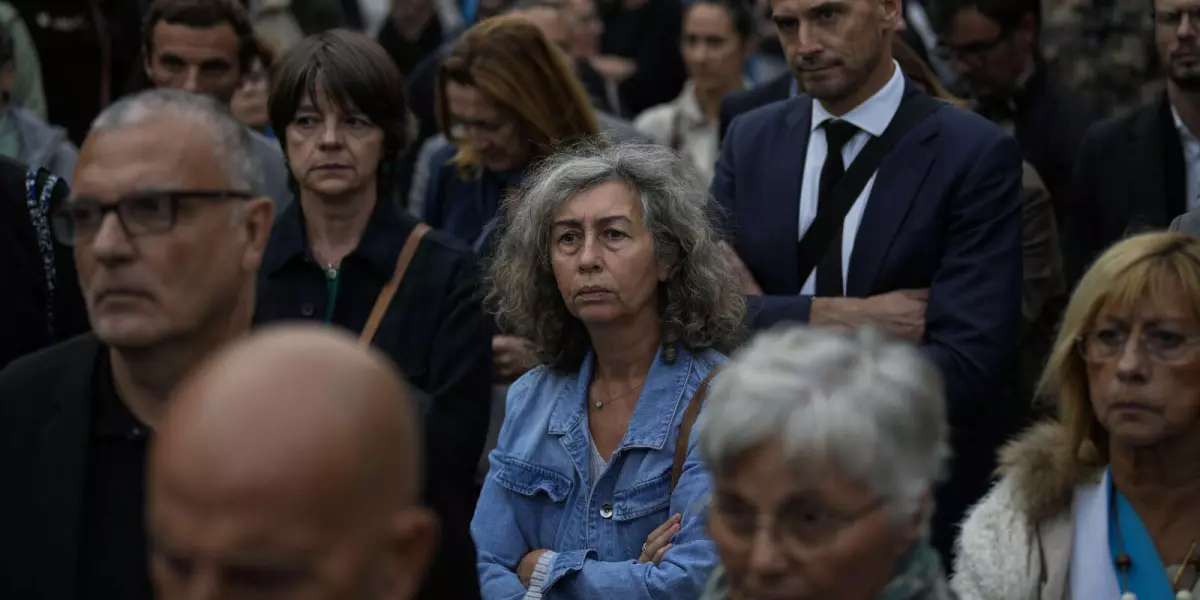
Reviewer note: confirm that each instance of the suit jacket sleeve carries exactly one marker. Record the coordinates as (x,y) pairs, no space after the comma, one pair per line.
(762,312)
(725,115)
(724,180)
(973,319)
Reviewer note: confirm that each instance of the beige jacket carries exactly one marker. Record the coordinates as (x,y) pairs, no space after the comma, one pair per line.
(1016,544)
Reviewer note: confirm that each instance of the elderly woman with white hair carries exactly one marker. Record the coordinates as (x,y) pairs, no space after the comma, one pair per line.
(824,447)
(609,263)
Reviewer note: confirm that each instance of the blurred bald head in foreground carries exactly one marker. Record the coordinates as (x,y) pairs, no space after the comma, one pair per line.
(288,467)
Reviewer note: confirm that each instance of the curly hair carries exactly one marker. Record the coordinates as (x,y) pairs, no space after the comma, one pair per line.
(700,305)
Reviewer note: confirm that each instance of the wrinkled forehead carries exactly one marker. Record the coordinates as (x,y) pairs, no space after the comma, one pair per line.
(243,534)
(602,204)
(219,41)
(1172,5)
(169,151)
(804,8)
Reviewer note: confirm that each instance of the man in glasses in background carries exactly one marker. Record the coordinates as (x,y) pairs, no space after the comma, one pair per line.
(1140,170)
(168,228)
(993,45)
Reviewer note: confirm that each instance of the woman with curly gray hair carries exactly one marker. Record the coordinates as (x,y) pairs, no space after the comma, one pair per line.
(609,263)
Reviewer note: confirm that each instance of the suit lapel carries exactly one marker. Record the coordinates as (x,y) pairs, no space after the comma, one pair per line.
(896,185)
(781,208)
(64,443)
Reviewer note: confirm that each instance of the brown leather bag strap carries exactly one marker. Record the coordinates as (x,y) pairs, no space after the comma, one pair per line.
(389,289)
(690,414)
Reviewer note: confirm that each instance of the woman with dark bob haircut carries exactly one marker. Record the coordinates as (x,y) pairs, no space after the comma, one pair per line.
(344,254)
(609,263)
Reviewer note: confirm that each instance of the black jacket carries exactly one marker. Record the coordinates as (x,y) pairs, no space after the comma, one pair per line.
(1049,123)
(1129,178)
(747,100)
(41,303)
(45,417)
(435,330)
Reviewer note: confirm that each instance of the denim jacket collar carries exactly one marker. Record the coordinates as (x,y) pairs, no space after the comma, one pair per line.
(650,426)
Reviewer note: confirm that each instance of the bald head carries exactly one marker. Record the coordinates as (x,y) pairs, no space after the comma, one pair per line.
(293,447)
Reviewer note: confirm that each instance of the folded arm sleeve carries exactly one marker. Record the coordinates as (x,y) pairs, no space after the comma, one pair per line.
(974,315)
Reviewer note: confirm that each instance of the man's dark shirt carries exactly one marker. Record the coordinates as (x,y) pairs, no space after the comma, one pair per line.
(112,561)
(1048,121)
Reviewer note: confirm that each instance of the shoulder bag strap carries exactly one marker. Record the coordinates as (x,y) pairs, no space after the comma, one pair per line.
(690,414)
(821,233)
(37,201)
(389,289)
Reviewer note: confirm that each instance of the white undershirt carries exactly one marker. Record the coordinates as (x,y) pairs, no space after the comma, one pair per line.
(1191,161)
(872,118)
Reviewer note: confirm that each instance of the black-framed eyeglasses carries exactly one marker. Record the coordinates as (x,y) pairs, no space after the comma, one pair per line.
(1160,345)
(140,213)
(974,51)
(799,527)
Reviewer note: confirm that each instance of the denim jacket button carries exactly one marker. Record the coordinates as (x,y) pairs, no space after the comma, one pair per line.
(606,511)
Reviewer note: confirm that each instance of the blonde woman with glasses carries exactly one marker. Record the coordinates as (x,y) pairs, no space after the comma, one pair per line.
(1104,502)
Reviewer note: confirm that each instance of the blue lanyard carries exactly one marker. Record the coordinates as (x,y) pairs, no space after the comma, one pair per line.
(1146,576)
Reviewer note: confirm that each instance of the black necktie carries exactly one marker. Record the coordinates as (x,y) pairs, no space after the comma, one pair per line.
(829,270)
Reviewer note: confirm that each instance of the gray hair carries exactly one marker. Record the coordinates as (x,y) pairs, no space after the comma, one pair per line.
(700,304)
(872,408)
(232,145)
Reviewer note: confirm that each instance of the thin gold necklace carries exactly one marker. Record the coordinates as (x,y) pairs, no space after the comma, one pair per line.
(599,404)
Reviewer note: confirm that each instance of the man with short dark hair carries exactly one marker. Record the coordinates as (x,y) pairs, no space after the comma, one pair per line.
(865,202)
(1138,171)
(167,236)
(208,47)
(993,45)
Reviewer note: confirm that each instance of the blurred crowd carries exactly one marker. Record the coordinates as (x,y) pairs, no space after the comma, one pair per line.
(596,299)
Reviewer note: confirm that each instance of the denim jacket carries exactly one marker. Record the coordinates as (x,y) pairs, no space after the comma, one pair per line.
(539,491)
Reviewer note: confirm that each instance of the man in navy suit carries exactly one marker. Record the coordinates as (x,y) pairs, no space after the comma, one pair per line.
(930,250)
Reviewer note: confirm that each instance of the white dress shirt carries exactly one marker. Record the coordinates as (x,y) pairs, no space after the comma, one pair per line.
(872,118)
(1191,161)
